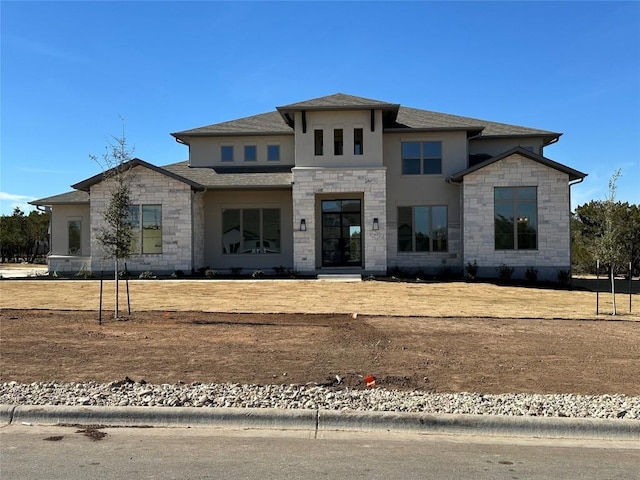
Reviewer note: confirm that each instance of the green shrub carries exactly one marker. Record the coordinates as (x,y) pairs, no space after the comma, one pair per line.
(472,269)
(531,274)
(210,273)
(505,272)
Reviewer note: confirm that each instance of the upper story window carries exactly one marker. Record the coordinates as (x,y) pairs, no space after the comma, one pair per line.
(338,141)
(358,141)
(515,218)
(273,153)
(422,229)
(226,153)
(421,158)
(318,141)
(250,153)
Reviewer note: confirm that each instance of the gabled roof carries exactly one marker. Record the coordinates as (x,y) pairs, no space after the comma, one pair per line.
(396,119)
(573,174)
(75,197)
(86,184)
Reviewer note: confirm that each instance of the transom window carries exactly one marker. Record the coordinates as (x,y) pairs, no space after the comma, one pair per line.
(146,223)
(423,229)
(421,158)
(250,230)
(516,218)
(226,153)
(250,153)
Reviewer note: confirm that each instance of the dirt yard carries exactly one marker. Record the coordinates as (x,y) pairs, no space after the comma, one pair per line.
(409,336)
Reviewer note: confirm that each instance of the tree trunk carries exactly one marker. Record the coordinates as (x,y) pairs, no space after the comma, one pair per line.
(613,290)
(115,313)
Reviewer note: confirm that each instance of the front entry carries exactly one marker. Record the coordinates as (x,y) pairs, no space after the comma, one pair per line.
(341,233)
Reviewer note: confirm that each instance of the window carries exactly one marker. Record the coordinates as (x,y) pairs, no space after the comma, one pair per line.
(422,229)
(516,218)
(421,158)
(226,153)
(337,141)
(250,153)
(74,227)
(146,223)
(317,141)
(358,144)
(250,230)
(273,153)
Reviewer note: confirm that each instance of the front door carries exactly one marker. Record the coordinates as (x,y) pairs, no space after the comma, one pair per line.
(341,233)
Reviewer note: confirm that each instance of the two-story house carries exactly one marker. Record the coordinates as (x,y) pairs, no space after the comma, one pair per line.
(336,184)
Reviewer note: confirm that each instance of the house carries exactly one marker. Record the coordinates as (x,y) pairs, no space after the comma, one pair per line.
(337,184)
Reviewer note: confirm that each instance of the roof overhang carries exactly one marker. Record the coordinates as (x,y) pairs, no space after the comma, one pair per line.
(573,174)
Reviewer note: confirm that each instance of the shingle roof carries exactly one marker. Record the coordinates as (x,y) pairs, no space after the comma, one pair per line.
(573,174)
(86,184)
(234,177)
(263,124)
(338,101)
(397,118)
(70,198)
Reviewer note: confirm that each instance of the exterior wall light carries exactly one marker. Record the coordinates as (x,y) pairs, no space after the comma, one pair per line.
(376,224)
(303,225)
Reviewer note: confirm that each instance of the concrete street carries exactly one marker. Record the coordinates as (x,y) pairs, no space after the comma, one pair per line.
(54,452)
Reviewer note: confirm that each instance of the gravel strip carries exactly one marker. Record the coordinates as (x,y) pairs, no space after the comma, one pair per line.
(129,393)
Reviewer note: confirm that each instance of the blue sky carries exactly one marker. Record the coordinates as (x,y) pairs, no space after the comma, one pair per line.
(72,70)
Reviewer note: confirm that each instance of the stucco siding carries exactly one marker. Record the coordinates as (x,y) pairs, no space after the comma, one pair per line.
(214,202)
(553,208)
(206,151)
(495,146)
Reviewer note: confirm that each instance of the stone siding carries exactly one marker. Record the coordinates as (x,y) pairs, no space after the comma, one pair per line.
(150,188)
(311,182)
(553,252)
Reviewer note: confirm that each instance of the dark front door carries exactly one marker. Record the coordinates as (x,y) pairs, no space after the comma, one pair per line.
(341,233)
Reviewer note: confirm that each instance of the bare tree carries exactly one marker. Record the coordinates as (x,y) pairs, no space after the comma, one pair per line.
(610,243)
(116,233)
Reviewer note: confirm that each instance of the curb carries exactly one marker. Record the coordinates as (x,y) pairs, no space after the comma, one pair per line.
(319,421)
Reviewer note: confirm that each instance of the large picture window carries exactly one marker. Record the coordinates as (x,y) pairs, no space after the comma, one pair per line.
(423,229)
(146,223)
(516,218)
(421,158)
(250,230)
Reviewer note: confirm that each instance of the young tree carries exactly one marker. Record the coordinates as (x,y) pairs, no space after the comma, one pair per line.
(116,233)
(610,248)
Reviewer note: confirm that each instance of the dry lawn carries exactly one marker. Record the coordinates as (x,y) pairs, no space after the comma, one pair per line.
(438,299)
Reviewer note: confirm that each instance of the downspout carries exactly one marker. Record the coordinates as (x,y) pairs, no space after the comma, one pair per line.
(571,184)
(461,216)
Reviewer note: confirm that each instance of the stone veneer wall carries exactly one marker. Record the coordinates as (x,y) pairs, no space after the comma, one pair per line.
(554,242)
(150,188)
(309,182)
(198,230)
